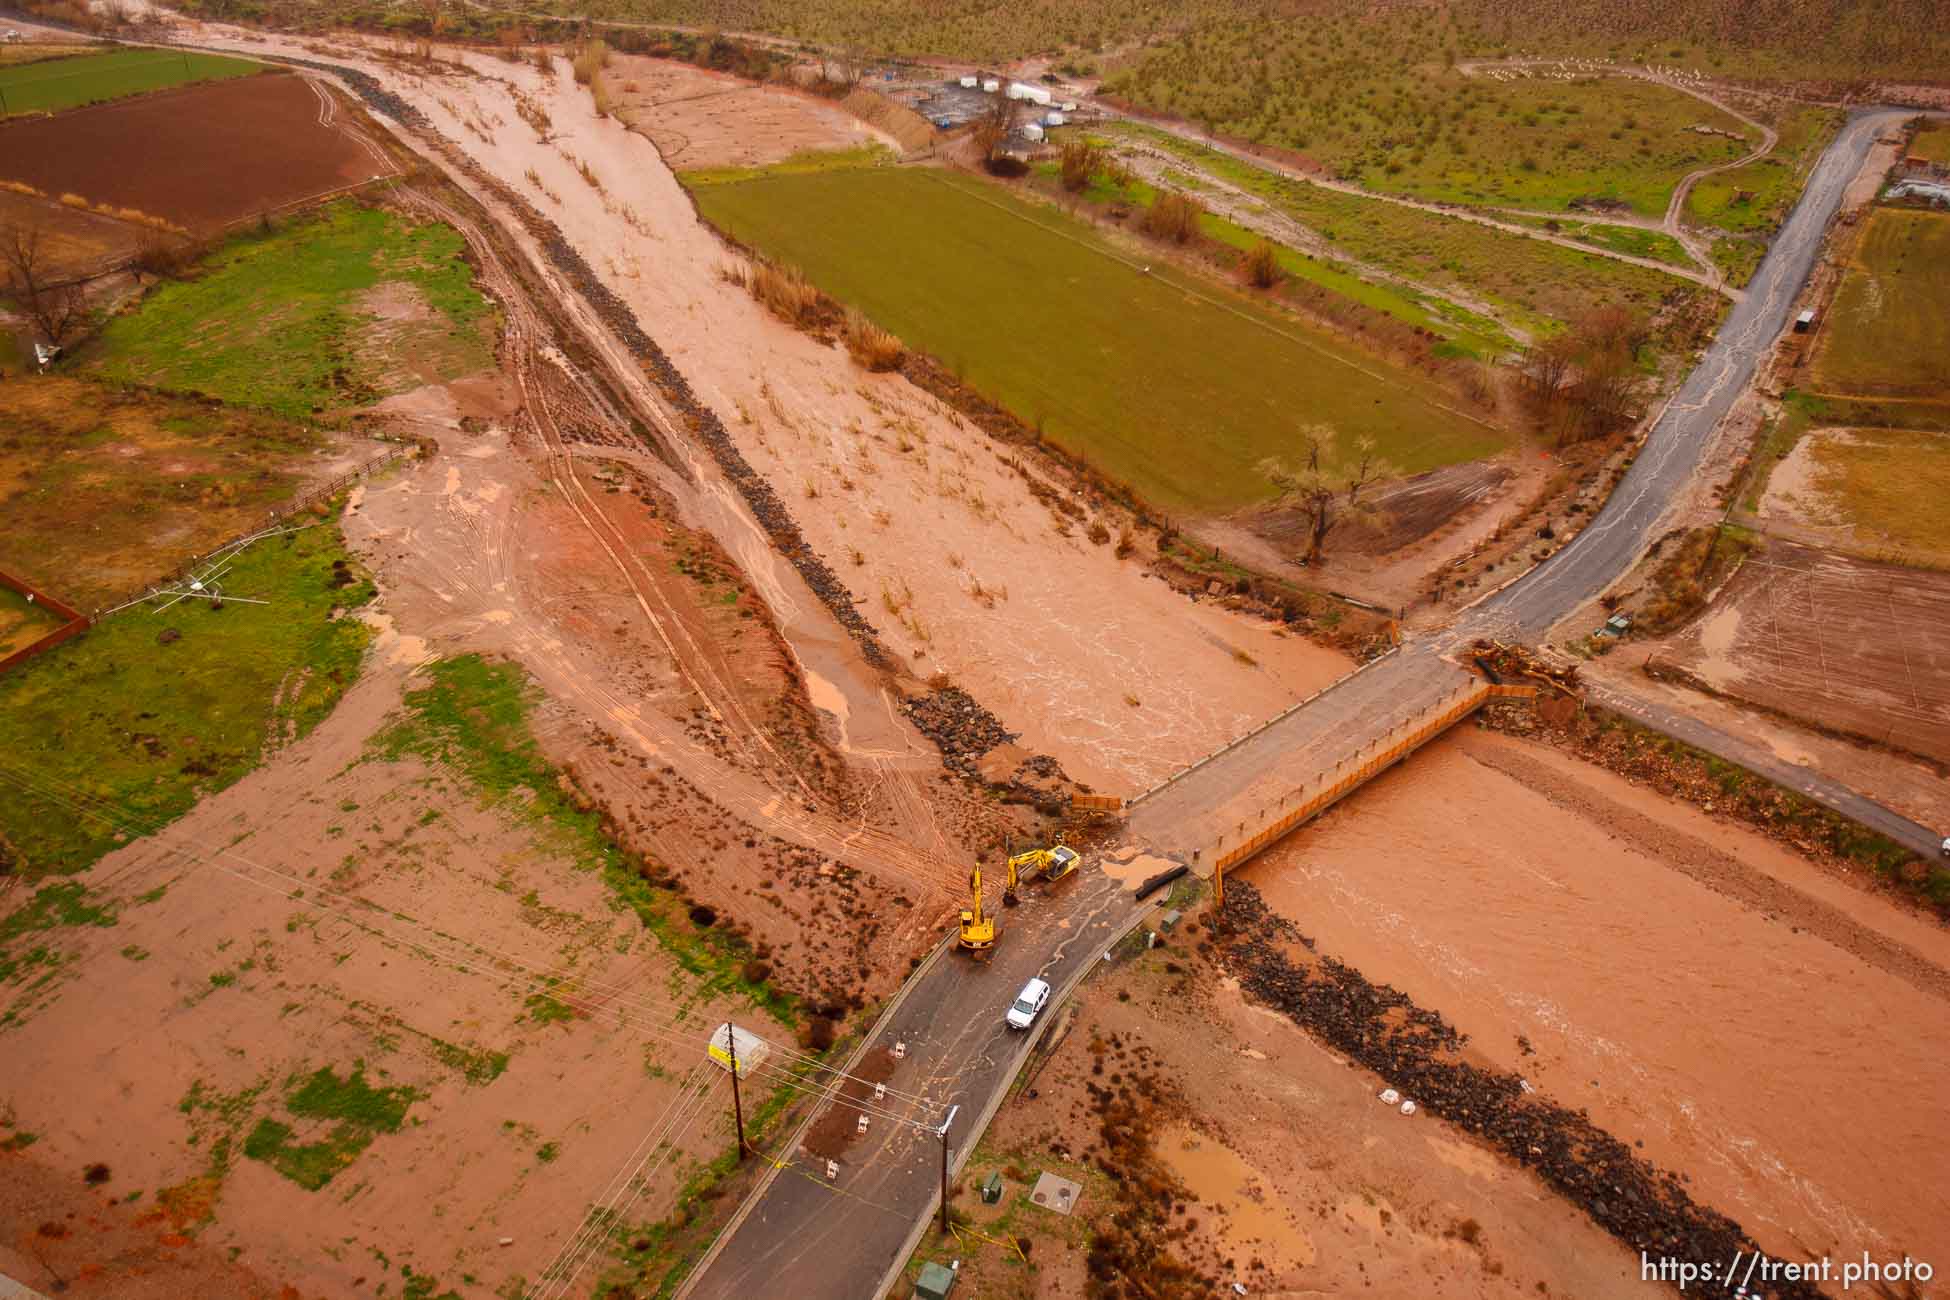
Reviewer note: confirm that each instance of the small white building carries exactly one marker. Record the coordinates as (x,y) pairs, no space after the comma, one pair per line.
(1033,94)
(990,86)
(969,83)
(1068,106)
(1053,119)
(1032,132)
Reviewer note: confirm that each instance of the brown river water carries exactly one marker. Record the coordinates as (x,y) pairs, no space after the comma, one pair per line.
(1801,1089)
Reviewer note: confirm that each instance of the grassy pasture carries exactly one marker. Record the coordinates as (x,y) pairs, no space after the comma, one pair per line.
(1890,485)
(1757,197)
(1463,330)
(1932,141)
(119,713)
(103,489)
(282,320)
(37,52)
(1888,333)
(1536,285)
(1169,383)
(51,86)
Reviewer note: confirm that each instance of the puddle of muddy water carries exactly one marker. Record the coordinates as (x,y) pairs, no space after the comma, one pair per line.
(1135,869)
(1237,1197)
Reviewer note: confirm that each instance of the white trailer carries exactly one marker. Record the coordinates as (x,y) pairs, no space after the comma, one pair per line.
(1033,94)
(1032,132)
(990,86)
(1053,119)
(969,83)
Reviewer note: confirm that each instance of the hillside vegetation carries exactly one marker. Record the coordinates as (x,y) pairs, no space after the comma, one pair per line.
(1390,115)
(1769,38)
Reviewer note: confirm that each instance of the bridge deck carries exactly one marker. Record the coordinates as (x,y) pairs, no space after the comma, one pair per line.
(1215,805)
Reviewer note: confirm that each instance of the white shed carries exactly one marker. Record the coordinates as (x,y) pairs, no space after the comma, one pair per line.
(990,86)
(750,1048)
(1053,119)
(1032,132)
(1034,94)
(969,83)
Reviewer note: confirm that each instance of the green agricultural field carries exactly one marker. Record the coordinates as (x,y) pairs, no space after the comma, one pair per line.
(289,320)
(145,712)
(1167,382)
(1536,285)
(1888,334)
(50,87)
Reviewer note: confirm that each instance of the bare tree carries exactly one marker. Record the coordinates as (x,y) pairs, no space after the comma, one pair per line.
(57,309)
(1549,365)
(1082,160)
(993,128)
(1327,488)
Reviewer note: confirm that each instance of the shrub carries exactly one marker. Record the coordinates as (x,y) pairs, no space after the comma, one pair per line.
(167,257)
(1172,216)
(786,293)
(872,347)
(1263,265)
(820,1033)
(591,58)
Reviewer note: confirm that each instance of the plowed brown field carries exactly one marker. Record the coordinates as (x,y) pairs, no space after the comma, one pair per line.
(1840,642)
(202,157)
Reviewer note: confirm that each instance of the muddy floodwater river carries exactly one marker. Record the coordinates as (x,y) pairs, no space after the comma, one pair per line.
(1557,914)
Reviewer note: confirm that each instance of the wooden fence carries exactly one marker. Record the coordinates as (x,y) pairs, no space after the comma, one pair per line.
(74,622)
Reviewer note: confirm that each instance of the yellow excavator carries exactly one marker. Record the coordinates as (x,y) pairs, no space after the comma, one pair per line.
(977,929)
(1049,865)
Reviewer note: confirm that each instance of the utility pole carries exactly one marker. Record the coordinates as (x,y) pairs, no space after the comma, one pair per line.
(944,1167)
(737,1105)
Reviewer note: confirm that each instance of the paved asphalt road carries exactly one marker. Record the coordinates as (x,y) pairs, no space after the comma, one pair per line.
(812,1240)
(807,1237)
